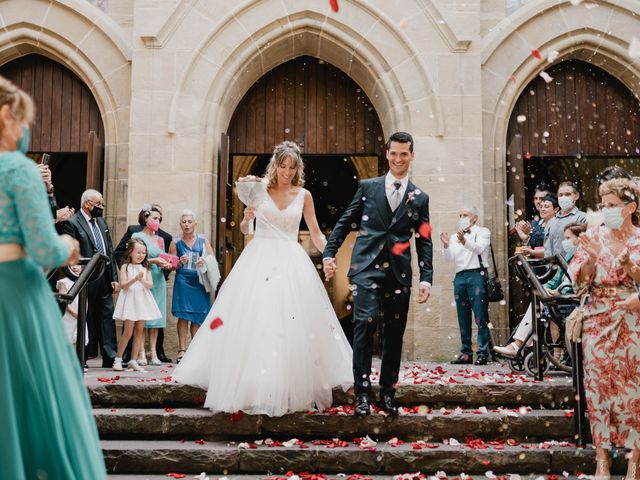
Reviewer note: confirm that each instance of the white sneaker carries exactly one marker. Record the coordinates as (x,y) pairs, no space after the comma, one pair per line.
(510,351)
(133,365)
(117,365)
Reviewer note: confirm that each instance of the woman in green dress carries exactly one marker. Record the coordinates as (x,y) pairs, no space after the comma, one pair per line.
(46,424)
(149,219)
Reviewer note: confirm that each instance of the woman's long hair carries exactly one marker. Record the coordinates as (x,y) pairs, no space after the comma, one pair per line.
(283,151)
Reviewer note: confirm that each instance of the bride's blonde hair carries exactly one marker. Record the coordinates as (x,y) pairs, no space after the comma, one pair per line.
(283,151)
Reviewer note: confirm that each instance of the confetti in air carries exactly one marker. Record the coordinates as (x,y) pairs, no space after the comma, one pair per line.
(553,56)
(334,5)
(546,77)
(536,54)
(575,3)
(521,118)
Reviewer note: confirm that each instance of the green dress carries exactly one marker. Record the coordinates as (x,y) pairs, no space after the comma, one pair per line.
(46,424)
(159,290)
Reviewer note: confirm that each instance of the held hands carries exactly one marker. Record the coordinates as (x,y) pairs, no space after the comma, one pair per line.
(460,236)
(444,238)
(330,268)
(184,259)
(249,214)
(115,286)
(423,294)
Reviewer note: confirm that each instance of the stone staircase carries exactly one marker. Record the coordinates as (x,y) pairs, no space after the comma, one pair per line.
(475,421)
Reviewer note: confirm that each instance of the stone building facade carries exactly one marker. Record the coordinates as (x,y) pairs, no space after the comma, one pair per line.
(167,76)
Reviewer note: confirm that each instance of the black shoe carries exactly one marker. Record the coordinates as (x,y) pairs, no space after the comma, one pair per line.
(107,362)
(463,359)
(362,405)
(388,404)
(482,359)
(163,358)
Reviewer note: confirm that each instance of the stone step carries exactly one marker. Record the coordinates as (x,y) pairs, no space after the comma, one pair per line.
(193,423)
(222,458)
(121,393)
(430,475)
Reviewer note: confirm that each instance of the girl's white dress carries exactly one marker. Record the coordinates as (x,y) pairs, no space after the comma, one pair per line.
(70,323)
(136,302)
(280,347)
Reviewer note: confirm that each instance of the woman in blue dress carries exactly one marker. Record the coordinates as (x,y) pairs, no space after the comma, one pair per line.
(191,302)
(149,219)
(46,424)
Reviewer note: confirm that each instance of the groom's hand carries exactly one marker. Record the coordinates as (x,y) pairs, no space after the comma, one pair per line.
(423,293)
(330,267)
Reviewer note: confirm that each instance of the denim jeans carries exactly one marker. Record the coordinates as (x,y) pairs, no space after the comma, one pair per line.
(471,297)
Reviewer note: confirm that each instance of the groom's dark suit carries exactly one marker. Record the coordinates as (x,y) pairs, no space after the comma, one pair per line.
(380,274)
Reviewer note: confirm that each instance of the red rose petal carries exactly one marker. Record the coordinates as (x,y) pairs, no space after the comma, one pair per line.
(399,248)
(176,475)
(425,230)
(169,410)
(234,417)
(334,5)
(200,442)
(215,323)
(536,54)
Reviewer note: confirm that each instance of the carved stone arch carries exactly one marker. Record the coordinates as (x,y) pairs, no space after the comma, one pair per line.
(508,66)
(306,33)
(88,42)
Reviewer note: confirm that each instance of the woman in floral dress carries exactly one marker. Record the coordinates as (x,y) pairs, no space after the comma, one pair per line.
(606,263)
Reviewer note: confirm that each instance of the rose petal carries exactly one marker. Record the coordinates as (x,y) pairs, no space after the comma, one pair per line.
(334,5)
(399,248)
(536,54)
(425,230)
(215,323)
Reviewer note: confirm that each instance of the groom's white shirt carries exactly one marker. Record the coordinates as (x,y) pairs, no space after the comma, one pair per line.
(389,188)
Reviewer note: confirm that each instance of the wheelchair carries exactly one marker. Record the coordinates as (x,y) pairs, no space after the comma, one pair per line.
(538,352)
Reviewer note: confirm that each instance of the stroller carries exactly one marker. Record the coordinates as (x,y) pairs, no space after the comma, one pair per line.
(538,351)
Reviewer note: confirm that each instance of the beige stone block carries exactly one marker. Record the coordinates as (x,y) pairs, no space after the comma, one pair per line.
(71,27)
(416,83)
(459,74)
(99,48)
(150,17)
(385,41)
(188,154)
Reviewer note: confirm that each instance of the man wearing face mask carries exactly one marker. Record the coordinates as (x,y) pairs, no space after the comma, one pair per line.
(568,196)
(90,229)
(469,250)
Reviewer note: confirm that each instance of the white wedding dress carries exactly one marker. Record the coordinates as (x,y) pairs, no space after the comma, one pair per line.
(280,347)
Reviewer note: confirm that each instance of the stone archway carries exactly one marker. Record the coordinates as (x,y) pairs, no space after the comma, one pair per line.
(89,43)
(508,66)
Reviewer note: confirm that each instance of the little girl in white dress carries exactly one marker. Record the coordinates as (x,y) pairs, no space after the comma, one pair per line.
(135,303)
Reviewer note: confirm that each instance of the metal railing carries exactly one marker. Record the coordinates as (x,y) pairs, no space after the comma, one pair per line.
(93,269)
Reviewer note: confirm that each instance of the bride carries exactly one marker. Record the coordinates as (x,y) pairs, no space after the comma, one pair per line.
(271,343)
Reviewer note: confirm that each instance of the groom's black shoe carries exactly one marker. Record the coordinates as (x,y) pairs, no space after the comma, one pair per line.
(388,404)
(463,359)
(362,405)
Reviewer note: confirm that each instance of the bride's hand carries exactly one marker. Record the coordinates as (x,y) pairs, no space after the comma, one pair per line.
(249,214)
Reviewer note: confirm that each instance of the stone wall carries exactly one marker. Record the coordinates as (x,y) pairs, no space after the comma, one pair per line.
(168,74)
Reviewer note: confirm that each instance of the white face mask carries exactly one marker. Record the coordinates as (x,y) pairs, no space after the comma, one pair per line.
(566,203)
(612,217)
(569,247)
(464,223)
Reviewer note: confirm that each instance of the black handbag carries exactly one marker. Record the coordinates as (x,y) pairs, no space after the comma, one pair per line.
(493,286)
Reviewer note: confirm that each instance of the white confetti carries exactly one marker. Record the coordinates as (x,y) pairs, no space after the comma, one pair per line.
(521,118)
(553,56)
(575,3)
(546,77)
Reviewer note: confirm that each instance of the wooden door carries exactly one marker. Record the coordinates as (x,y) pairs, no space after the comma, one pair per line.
(224,212)
(94,162)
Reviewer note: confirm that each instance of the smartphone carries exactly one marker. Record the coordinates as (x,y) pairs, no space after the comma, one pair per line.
(46,158)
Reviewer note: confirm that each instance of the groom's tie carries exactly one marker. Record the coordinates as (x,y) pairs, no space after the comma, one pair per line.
(394,198)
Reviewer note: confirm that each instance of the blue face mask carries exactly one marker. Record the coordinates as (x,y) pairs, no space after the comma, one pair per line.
(23,144)
(568,247)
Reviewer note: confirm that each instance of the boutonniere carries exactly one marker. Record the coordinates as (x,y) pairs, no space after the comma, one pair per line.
(411,196)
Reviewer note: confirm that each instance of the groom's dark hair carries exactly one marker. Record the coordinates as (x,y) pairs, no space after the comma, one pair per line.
(401,137)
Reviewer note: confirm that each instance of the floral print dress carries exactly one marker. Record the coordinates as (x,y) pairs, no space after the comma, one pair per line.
(611,345)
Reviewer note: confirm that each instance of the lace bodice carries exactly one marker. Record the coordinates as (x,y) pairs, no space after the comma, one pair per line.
(271,222)
(25,215)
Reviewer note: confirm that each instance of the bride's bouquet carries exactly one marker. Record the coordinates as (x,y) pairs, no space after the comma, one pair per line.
(251,190)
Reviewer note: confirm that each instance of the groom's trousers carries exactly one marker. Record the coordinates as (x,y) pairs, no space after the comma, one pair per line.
(377,290)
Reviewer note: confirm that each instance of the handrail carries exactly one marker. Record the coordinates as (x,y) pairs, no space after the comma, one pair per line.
(94,267)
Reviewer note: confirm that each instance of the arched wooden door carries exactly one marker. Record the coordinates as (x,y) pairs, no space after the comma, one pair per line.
(570,128)
(68,124)
(318,106)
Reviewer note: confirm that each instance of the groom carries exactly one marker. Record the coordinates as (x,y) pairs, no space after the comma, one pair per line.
(388,211)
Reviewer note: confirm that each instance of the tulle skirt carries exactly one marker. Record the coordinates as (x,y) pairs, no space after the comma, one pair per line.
(46,424)
(271,343)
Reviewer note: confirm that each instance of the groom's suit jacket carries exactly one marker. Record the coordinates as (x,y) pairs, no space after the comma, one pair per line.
(379,229)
